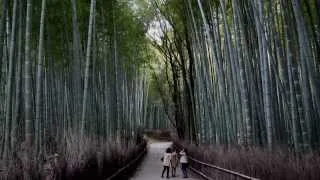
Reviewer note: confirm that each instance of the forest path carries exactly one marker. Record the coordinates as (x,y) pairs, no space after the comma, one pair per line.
(151,167)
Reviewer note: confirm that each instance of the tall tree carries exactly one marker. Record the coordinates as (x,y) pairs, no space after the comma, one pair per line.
(28,78)
(87,67)
(38,123)
(10,81)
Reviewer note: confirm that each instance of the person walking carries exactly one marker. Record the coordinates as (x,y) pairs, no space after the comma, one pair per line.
(166,162)
(174,162)
(184,163)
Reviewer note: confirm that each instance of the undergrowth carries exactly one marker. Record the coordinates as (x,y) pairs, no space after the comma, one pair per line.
(159,134)
(280,164)
(75,159)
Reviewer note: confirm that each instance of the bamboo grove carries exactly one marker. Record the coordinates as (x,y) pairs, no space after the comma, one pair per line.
(220,71)
(242,72)
(69,68)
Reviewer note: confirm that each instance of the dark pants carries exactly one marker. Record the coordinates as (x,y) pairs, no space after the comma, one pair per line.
(184,169)
(173,170)
(165,168)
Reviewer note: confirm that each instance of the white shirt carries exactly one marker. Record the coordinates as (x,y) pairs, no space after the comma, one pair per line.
(183,158)
(166,159)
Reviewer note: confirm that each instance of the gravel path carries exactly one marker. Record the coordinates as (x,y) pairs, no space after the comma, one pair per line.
(151,167)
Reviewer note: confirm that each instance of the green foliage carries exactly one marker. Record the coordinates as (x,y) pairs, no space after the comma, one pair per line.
(58,29)
(133,46)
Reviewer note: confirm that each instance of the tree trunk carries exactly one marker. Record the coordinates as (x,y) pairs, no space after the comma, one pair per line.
(18,99)
(305,73)
(86,76)
(264,69)
(76,67)
(38,122)
(2,29)
(10,82)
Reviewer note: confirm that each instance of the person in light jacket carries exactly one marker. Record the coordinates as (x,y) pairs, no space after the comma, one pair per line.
(174,162)
(184,163)
(166,162)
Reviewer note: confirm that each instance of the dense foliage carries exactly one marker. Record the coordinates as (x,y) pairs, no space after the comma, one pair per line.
(72,75)
(241,72)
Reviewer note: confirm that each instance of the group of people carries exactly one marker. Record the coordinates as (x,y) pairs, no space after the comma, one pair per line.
(171,159)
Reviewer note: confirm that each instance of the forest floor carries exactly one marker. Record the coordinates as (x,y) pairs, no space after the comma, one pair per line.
(151,167)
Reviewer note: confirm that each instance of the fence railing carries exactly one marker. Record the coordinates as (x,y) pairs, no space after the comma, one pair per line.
(227,171)
(233,173)
(117,173)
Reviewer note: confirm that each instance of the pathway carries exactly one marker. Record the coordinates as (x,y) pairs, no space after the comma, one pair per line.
(151,167)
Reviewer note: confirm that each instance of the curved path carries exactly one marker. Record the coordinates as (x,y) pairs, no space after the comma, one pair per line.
(151,167)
